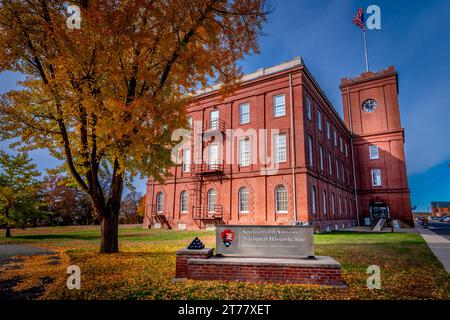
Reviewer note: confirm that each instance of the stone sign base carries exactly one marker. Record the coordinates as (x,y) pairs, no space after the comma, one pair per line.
(202,265)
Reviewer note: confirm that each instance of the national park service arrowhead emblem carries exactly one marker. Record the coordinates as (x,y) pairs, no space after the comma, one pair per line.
(227,237)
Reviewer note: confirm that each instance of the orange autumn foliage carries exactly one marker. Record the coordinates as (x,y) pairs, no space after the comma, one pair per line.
(109,95)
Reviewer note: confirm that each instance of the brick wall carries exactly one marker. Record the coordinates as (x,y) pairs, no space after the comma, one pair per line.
(266,273)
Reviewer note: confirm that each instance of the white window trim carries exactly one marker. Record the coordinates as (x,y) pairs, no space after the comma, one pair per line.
(187,201)
(276,199)
(275,106)
(308,108)
(241,142)
(330,164)
(160,202)
(377,156)
(328,130)
(275,150)
(214,123)
(322,166)
(313,200)
(186,164)
(333,204)
(210,191)
(372,172)
(319,120)
(310,152)
(241,114)
(239,200)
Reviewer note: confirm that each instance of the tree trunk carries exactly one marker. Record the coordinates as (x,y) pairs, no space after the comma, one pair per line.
(8,232)
(109,226)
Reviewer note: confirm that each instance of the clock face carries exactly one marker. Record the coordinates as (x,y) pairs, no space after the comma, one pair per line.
(369,105)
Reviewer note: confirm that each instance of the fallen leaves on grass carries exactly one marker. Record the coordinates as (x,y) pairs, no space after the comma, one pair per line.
(144,270)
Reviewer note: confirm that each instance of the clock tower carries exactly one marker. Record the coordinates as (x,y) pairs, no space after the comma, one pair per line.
(371,113)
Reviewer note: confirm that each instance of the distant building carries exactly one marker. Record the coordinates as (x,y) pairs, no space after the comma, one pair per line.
(422,215)
(319,169)
(440,208)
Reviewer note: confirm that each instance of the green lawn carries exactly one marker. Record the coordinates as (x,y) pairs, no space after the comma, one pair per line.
(146,265)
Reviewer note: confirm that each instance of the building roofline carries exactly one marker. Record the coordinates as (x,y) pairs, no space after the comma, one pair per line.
(262,72)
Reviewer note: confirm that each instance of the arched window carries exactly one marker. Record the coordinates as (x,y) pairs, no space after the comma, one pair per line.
(324,202)
(243,200)
(333,204)
(211,200)
(183,201)
(313,200)
(159,202)
(345,206)
(281,203)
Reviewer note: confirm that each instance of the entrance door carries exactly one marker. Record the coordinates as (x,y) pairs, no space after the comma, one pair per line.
(213,156)
(211,202)
(379,210)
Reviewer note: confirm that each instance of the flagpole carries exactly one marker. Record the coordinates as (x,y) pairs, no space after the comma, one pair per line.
(365,50)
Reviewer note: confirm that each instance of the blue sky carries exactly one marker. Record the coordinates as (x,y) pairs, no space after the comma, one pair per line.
(414,37)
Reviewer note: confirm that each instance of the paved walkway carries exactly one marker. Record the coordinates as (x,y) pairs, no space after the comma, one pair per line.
(9,250)
(439,245)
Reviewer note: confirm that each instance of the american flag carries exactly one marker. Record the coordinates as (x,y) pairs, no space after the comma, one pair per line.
(358,19)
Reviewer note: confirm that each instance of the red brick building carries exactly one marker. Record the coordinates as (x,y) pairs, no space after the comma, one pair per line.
(277,152)
(440,208)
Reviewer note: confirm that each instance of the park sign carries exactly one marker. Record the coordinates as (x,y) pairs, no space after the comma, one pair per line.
(265,241)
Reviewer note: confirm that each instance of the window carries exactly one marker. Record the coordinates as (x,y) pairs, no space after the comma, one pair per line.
(319,120)
(214,117)
(335,138)
(373,152)
(337,168)
(324,198)
(308,107)
(376,177)
(342,171)
(313,200)
(280,147)
(333,204)
(328,130)
(211,198)
(330,165)
(341,144)
(281,199)
(159,202)
(340,205)
(345,206)
(186,160)
(244,113)
(346,150)
(321,157)
(183,201)
(279,106)
(190,122)
(243,200)
(310,143)
(244,152)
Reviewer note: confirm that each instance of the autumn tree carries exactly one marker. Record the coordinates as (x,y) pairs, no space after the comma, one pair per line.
(19,200)
(68,204)
(129,208)
(109,94)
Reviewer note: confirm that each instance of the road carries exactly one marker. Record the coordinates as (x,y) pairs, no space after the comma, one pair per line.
(440,228)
